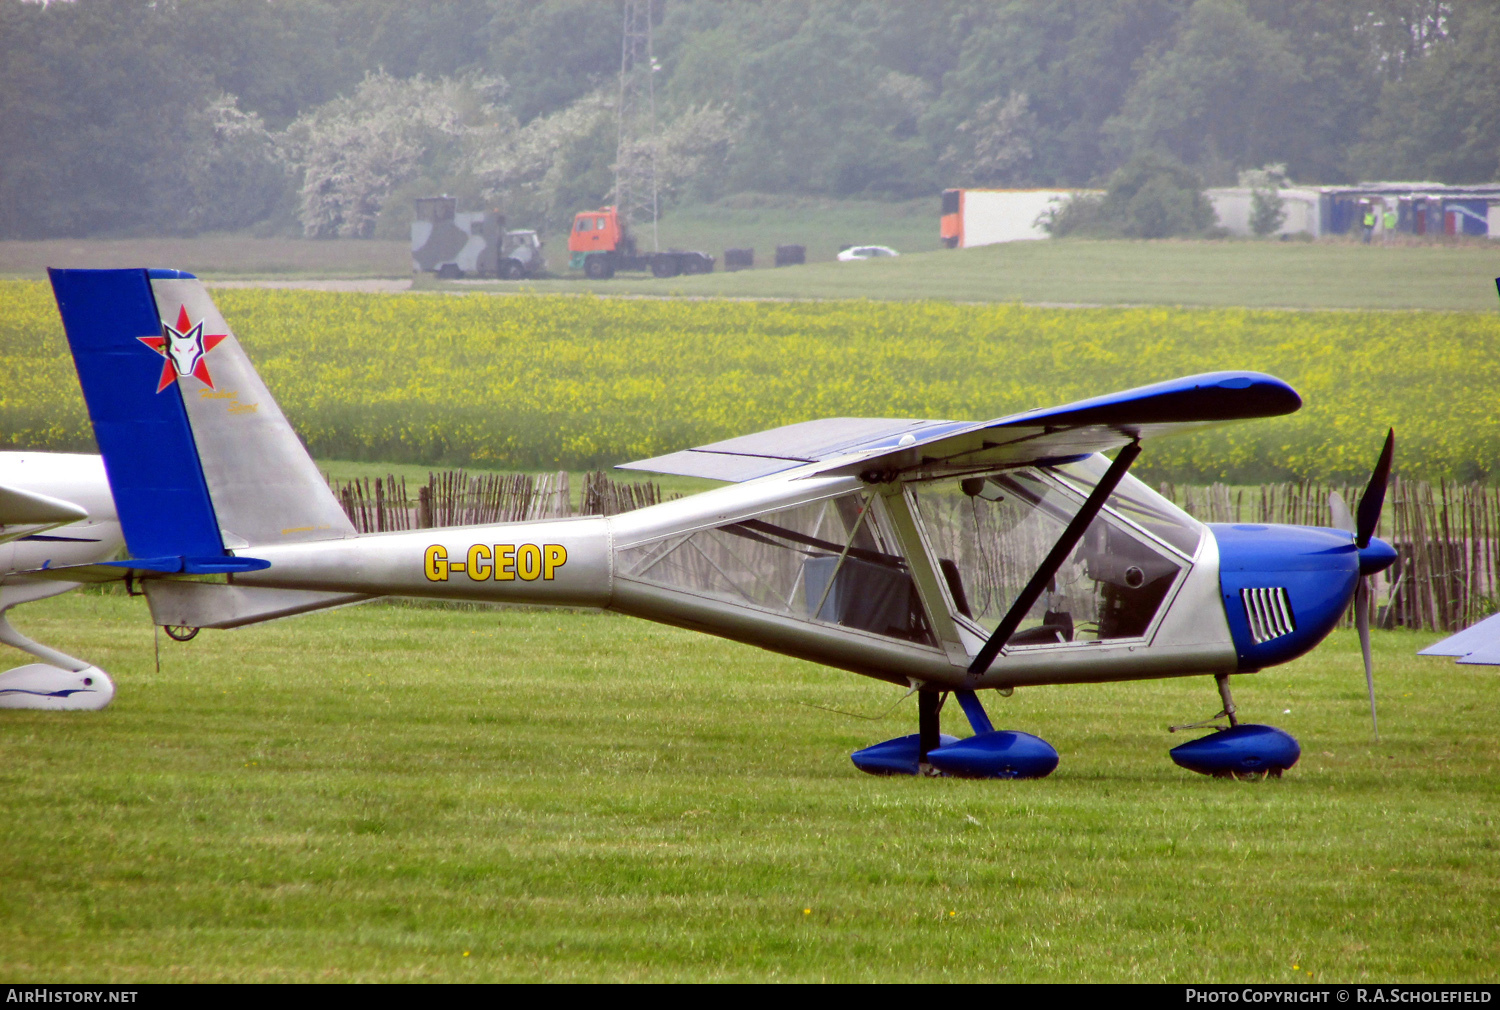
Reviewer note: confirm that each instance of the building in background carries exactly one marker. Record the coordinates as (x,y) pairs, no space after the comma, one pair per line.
(975,217)
(1422,208)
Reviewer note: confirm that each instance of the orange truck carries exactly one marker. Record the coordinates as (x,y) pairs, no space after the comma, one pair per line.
(601,243)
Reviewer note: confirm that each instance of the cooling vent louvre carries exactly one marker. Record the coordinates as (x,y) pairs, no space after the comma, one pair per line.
(1269,612)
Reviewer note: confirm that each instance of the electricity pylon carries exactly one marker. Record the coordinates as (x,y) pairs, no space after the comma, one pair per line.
(635,155)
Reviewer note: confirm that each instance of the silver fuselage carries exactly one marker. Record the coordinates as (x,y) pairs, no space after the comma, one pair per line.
(577,563)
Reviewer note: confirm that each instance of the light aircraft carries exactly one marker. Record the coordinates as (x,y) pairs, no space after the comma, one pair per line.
(949,557)
(55,511)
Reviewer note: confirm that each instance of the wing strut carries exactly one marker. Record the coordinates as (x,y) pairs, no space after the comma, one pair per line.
(1055,559)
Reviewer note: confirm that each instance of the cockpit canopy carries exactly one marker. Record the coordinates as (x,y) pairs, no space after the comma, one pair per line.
(854,560)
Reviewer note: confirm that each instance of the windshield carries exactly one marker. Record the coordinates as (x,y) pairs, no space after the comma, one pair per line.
(1138,503)
(992,532)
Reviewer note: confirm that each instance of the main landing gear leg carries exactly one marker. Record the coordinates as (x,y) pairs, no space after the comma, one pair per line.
(988,754)
(929,727)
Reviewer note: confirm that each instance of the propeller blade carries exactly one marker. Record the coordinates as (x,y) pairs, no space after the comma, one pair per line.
(1362,621)
(1373,500)
(1342,518)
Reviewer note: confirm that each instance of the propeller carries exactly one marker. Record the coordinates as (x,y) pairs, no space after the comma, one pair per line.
(1362,525)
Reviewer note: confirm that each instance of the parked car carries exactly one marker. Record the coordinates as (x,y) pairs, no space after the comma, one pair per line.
(866,252)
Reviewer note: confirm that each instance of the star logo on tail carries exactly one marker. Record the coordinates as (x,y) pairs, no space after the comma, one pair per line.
(184,346)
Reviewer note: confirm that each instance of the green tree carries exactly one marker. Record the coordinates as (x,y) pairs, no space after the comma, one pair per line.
(1441,119)
(1217,99)
(1073,59)
(1151,196)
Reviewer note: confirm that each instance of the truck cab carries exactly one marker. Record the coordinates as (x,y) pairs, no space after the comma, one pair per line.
(601,243)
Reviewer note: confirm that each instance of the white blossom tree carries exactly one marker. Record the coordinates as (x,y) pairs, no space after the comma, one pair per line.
(353,151)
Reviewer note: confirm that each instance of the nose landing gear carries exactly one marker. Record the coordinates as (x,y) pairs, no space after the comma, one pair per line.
(1241,750)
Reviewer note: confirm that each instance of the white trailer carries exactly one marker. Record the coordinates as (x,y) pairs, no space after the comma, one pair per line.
(974,217)
(1233,204)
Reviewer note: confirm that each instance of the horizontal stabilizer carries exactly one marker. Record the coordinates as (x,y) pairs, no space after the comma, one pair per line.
(1477,645)
(861,445)
(24,513)
(212,605)
(114,571)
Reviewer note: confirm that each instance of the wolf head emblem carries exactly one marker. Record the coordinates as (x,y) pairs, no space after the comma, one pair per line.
(184,346)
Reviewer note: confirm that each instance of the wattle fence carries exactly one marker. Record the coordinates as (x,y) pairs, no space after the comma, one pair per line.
(1446,535)
(457,498)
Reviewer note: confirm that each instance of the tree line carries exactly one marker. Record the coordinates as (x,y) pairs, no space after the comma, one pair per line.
(324,118)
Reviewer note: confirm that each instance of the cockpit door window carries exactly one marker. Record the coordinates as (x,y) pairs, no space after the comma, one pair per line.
(991,533)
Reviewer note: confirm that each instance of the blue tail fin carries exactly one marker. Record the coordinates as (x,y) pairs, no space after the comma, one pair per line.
(200,459)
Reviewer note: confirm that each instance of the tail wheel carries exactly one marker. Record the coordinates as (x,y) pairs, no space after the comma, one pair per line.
(180,632)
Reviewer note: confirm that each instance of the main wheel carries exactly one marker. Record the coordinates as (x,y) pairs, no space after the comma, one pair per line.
(449,272)
(598,268)
(511,269)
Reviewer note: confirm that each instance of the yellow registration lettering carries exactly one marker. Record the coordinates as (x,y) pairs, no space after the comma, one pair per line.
(554,556)
(479,563)
(529,562)
(436,563)
(505,562)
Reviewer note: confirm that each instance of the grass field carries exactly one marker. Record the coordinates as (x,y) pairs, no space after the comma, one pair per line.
(1297,275)
(1332,274)
(212,256)
(414,793)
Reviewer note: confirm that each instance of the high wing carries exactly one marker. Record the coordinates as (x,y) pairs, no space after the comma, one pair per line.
(885,445)
(1476,645)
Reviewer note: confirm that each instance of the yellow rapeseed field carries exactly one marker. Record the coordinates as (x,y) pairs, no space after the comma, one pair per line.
(564,381)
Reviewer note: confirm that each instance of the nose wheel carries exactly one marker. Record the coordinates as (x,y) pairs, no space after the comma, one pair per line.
(1245,751)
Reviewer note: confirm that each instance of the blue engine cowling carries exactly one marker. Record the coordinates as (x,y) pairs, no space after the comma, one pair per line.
(901,756)
(998,754)
(1284,587)
(1247,749)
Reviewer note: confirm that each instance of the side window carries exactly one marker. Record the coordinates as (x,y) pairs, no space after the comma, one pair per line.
(833,561)
(992,533)
(585,223)
(599,223)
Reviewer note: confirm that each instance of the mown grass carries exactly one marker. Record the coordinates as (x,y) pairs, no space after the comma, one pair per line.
(424,793)
(212,256)
(1296,275)
(1325,274)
